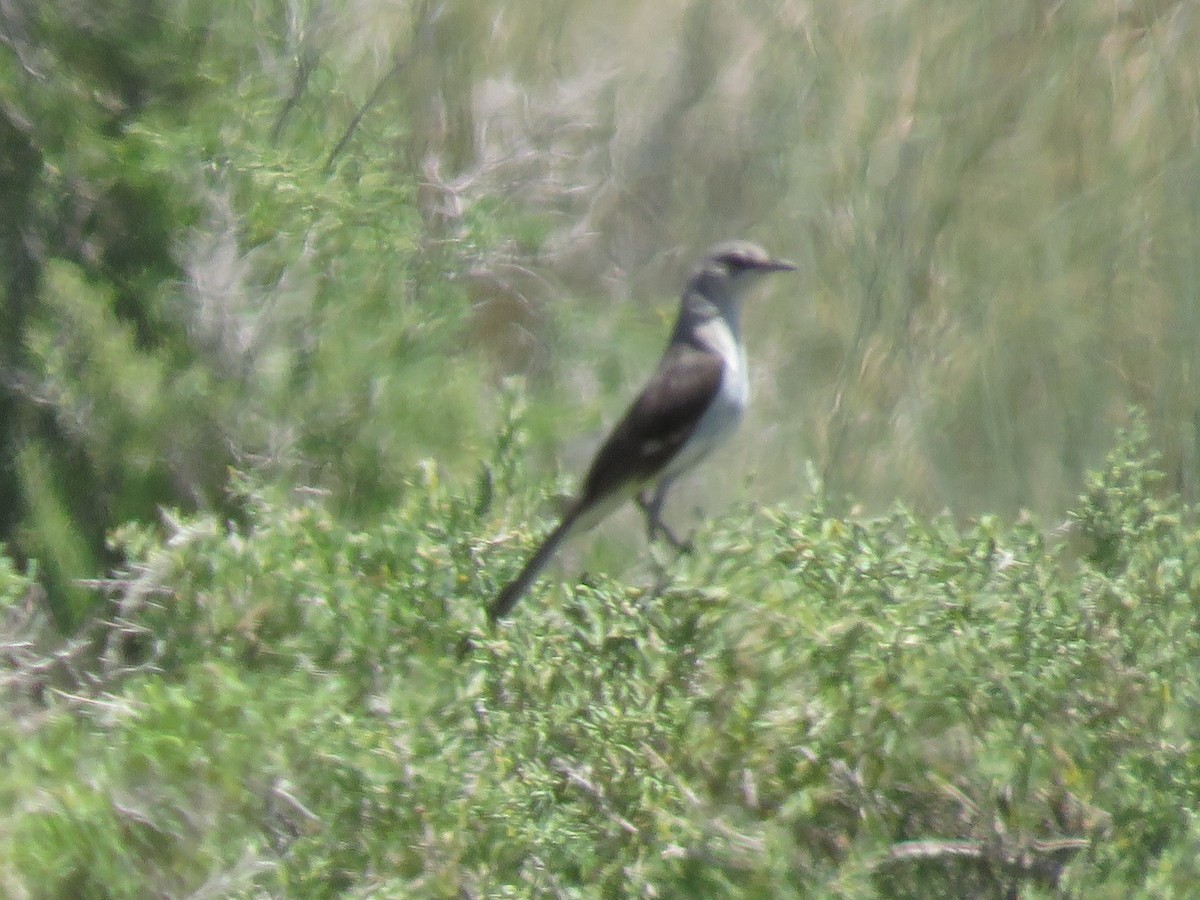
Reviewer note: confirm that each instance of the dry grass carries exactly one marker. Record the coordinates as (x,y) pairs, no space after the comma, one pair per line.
(995,208)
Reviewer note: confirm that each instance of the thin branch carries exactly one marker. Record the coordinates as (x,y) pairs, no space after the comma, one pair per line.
(592,790)
(419,39)
(306,62)
(1029,859)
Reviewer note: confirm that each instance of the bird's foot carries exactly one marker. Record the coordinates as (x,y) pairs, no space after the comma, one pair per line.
(655,526)
(678,544)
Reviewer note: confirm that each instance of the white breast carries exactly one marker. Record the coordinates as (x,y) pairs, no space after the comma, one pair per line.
(721,418)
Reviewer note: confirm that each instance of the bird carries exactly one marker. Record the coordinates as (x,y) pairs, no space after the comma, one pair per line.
(690,405)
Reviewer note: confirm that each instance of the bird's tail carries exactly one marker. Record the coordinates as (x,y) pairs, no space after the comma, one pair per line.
(516,588)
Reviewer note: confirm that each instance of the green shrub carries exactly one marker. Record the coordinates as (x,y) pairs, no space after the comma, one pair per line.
(807,706)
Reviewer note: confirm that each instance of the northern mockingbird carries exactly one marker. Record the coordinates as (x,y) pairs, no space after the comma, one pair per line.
(693,402)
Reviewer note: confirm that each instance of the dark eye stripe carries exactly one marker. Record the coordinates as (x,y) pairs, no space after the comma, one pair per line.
(739,261)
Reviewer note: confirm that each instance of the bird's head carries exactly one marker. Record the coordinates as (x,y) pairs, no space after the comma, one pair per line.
(732,267)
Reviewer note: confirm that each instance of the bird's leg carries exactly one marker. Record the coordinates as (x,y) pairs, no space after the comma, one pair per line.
(652,506)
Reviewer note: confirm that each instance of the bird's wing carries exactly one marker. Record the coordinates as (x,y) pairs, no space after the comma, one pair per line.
(658,424)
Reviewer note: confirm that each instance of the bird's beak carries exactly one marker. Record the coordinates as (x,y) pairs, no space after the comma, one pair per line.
(778,265)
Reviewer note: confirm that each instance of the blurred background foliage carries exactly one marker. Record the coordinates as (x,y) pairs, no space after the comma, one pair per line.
(314,237)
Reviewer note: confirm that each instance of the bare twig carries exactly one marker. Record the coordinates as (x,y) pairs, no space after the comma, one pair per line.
(1032,858)
(306,62)
(425,20)
(592,790)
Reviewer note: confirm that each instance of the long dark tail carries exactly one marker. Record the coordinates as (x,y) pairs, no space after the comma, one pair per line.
(516,588)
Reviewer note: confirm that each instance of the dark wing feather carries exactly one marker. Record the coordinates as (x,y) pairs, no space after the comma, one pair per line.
(658,423)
